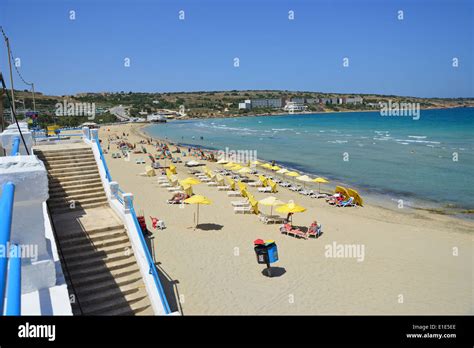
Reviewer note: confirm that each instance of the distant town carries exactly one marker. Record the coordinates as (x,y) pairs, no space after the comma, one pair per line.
(110,107)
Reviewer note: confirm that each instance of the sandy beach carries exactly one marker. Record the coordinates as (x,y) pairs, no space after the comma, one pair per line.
(415,262)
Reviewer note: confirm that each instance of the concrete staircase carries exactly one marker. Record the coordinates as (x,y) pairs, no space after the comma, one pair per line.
(97,257)
(74,181)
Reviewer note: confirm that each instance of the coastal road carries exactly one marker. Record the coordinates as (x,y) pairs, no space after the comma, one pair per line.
(120,113)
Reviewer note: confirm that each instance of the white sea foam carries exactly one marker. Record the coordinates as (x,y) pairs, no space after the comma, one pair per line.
(417,136)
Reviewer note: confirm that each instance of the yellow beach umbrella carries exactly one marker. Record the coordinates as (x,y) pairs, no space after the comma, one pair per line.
(320,181)
(357,199)
(189,181)
(230,164)
(173,169)
(275,168)
(236,167)
(256,163)
(291,207)
(245,170)
(198,200)
(304,179)
(267,165)
(282,171)
(271,201)
(292,174)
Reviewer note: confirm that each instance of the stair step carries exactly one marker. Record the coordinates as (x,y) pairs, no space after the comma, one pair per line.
(80,237)
(65,157)
(78,184)
(72,255)
(85,243)
(75,178)
(115,290)
(78,197)
(119,269)
(82,206)
(86,162)
(98,259)
(142,307)
(93,285)
(61,193)
(72,169)
(58,203)
(126,301)
(90,233)
(75,172)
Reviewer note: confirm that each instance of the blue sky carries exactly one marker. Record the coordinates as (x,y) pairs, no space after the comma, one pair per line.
(386,56)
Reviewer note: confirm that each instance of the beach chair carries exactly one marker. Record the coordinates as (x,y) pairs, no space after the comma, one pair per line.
(285,184)
(314,230)
(319,195)
(295,188)
(234,194)
(240,203)
(289,230)
(243,210)
(347,203)
(306,192)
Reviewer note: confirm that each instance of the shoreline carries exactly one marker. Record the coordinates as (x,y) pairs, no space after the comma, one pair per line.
(185,118)
(380,199)
(405,253)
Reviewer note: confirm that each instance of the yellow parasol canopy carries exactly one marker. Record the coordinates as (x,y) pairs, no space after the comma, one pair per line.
(282,171)
(256,163)
(245,170)
(291,207)
(357,199)
(236,167)
(275,168)
(198,200)
(230,164)
(271,201)
(189,181)
(293,174)
(320,181)
(267,165)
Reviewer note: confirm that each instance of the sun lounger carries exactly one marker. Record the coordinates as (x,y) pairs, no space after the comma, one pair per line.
(212,183)
(174,189)
(289,230)
(271,219)
(295,188)
(243,210)
(240,203)
(347,203)
(255,184)
(319,195)
(285,184)
(223,188)
(265,189)
(306,192)
(234,194)
(314,230)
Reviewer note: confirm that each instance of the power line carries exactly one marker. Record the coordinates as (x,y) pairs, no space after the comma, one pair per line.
(13,60)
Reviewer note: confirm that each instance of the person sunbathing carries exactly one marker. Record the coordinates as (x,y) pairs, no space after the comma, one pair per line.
(177,198)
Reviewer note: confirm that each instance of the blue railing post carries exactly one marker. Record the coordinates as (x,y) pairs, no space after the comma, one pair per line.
(107,173)
(15,146)
(6,213)
(14,282)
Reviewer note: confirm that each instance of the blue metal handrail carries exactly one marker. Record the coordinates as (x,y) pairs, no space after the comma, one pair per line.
(107,173)
(6,213)
(148,256)
(16,146)
(151,263)
(14,282)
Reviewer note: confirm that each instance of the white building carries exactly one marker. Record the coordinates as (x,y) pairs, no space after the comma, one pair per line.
(294,107)
(247,105)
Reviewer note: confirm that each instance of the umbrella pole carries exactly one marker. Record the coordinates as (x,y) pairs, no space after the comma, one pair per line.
(197,216)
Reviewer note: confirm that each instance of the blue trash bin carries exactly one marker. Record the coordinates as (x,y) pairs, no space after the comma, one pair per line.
(272,251)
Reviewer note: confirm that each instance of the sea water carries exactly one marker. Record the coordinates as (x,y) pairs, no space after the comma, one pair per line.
(425,162)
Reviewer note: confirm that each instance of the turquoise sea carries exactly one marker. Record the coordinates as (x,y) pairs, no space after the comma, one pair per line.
(429,162)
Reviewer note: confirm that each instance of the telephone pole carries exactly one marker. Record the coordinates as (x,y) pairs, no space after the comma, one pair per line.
(11,76)
(33,89)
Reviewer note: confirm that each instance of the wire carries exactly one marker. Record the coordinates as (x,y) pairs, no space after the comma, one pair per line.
(13,60)
(13,113)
